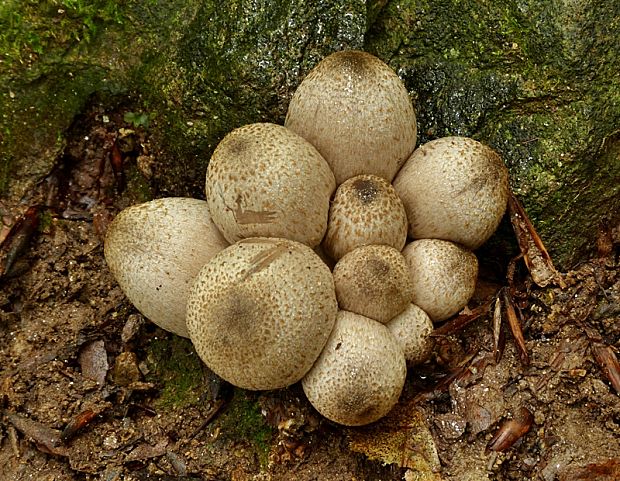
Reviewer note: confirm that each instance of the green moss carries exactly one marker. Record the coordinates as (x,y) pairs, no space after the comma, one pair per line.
(241,69)
(175,367)
(137,186)
(536,80)
(47,76)
(243,420)
(567,176)
(45,221)
(35,30)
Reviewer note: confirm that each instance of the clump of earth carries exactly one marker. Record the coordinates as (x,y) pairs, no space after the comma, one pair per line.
(89,389)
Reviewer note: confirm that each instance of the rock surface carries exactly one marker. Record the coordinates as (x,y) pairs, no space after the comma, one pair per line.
(536,80)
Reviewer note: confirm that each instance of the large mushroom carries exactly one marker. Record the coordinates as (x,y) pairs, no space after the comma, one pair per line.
(156,249)
(453,188)
(265,180)
(360,374)
(356,111)
(260,312)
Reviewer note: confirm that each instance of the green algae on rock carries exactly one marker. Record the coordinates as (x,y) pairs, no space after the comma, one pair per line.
(535,80)
(199,67)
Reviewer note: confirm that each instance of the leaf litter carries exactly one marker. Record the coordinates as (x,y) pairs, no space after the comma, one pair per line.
(543,405)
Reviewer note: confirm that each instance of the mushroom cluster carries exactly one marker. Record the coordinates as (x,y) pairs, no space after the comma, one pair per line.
(326,248)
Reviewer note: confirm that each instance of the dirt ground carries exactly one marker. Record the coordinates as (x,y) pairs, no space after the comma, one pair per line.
(90,390)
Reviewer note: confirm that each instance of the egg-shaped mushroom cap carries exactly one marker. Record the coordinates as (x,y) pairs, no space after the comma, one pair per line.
(443,275)
(373,281)
(265,180)
(356,111)
(156,249)
(454,188)
(260,312)
(412,329)
(365,210)
(360,374)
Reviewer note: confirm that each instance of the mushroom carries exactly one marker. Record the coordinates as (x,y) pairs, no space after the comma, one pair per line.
(356,111)
(260,312)
(373,281)
(443,275)
(155,250)
(360,374)
(454,188)
(365,210)
(412,329)
(265,180)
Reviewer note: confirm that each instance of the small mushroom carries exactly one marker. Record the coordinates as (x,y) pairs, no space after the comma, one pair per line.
(356,111)
(265,180)
(453,188)
(260,312)
(360,374)
(443,275)
(373,281)
(155,250)
(365,210)
(412,329)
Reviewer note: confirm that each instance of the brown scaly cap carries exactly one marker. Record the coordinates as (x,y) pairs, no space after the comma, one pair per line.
(373,281)
(265,180)
(260,312)
(443,275)
(365,210)
(356,111)
(360,374)
(453,188)
(156,249)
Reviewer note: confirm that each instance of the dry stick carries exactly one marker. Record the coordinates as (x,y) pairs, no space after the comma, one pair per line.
(499,339)
(515,328)
(459,322)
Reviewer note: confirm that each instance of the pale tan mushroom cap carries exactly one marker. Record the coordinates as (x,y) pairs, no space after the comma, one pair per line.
(365,210)
(356,111)
(260,312)
(155,251)
(412,329)
(373,281)
(443,275)
(265,180)
(359,375)
(454,188)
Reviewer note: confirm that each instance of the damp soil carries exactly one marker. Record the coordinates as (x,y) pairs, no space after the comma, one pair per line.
(90,390)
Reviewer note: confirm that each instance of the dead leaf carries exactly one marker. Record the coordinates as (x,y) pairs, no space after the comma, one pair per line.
(603,471)
(400,438)
(534,253)
(46,439)
(17,239)
(608,362)
(93,359)
(146,451)
(511,431)
(461,321)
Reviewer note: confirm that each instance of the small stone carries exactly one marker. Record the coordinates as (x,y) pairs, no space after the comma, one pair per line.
(126,370)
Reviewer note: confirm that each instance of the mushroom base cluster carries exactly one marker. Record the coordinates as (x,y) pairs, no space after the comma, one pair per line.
(326,248)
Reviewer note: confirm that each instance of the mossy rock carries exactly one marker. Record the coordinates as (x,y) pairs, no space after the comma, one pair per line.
(538,81)
(535,79)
